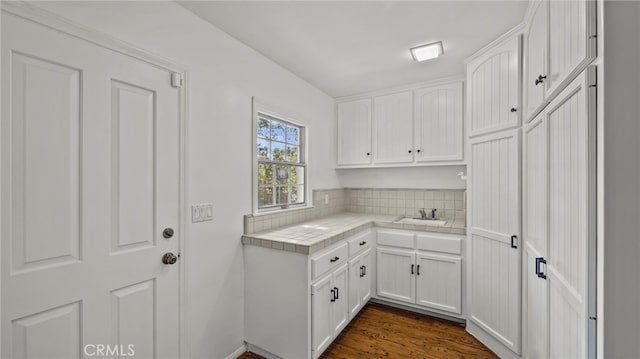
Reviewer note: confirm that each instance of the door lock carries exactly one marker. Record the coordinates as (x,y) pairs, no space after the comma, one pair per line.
(169,258)
(167,233)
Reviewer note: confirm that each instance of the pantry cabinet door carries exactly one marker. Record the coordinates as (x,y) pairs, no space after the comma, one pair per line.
(438,123)
(495,257)
(535,58)
(354,132)
(396,274)
(393,128)
(493,83)
(572,41)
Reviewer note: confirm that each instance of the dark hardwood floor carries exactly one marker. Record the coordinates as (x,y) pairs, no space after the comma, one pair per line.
(380,331)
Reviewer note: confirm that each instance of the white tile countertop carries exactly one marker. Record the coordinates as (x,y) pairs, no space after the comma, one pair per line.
(311,236)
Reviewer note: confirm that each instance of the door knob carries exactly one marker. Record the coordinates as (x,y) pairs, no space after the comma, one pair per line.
(167,233)
(169,258)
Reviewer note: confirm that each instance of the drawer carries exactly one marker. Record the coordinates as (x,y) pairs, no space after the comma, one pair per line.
(360,242)
(395,239)
(329,260)
(436,243)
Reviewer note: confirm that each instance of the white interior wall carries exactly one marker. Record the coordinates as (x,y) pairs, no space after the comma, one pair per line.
(621,123)
(408,177)
(223,76)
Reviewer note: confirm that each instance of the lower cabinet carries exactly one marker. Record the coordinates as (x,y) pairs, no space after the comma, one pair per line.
(359,282)
(329,309)
(431,279)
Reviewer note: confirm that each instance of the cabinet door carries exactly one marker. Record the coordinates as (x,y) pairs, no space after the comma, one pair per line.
(493,89)
(322,299)
(572,41)
(340,310)
(393,128)
(365,283)
(571,280)
(396,274)
(439,282)
(438,123)
(535,57)
(495,270)
(534,235)
(355,283)
(354,132)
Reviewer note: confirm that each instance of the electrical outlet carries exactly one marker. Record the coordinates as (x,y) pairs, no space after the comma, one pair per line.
(201,212)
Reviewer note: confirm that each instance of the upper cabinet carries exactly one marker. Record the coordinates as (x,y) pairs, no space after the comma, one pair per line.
(354,132)
(416,127)
(438,123)
(393,128)
(493,85)
(560,41)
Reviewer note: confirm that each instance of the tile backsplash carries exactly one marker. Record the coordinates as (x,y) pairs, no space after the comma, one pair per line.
(449,204)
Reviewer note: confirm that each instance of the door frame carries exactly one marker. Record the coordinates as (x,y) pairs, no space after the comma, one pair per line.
(58,23)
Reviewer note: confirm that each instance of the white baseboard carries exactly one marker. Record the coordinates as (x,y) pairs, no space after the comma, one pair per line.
(236,353)
(262,352)
(491,343)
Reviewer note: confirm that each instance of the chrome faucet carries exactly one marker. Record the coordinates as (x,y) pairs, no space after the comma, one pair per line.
(433,213)
(423,214)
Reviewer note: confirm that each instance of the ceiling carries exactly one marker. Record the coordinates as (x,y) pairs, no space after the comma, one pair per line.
(351,47)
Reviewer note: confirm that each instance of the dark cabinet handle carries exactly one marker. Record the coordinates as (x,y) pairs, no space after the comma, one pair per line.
(364,268)
(409,151)
(334,259)
(513,109)
(412,269)
(361,272)
(539,272)
(363,243)
(368,153)
(513,239)
(337,293)
(333,298)
(418,270)
(540,80)
(418,150)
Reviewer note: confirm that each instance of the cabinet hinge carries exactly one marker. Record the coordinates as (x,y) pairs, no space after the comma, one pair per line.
(176,80)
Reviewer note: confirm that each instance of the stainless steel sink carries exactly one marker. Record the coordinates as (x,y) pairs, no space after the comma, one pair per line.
(438,222)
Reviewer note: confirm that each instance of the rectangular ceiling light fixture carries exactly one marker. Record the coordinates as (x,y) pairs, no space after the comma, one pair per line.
(427,52)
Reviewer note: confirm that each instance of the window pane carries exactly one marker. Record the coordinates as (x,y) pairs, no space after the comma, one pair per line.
(296,175)
(282,195)
(293,153)
(263,128)
(265,196)
(278,151)
(292,135)
(277,131)
(265,173)
(282,174)
(297,194)
(263,149)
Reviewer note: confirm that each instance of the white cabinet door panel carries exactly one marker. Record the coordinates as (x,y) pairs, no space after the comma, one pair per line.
(396,270)
(354,132)
(493,89)
(438,123)
(340,312)
(535,313)
(393,128)
(365,288)
(322,297)
(535,59)
(355,283)
(438,282)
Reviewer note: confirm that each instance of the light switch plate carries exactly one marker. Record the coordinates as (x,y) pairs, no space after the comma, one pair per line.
(201,212)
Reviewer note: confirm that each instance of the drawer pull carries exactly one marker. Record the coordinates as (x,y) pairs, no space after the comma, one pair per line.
(363,243)
(334,259)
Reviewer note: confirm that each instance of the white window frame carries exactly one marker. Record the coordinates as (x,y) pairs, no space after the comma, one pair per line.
(260,107)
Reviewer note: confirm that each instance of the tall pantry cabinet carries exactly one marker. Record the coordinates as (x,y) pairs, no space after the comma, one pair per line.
(533,293)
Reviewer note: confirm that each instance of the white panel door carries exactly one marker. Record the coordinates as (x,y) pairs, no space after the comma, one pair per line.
(438,123)
(355,283)
(354,132)
(90,179)
(572,40)
(393,128)
(396,274)
(535,60)
(322,299)
(340,310)
(534,235)
(439,282)
(494,190)
(493,83)
(571,159)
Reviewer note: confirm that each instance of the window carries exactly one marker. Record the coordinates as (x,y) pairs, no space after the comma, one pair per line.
(280,166)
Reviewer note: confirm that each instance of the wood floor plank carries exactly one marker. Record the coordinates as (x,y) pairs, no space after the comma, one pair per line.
(381,331)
